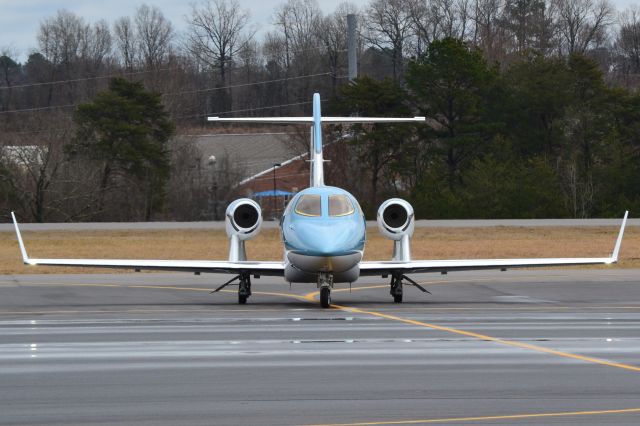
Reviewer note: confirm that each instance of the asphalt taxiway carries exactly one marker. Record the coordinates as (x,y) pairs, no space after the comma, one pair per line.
(519,347)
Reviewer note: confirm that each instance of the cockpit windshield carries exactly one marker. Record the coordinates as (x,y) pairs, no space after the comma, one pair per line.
(340,205)
(309,205)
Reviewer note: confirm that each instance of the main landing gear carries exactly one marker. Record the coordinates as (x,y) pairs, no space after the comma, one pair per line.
(325,284)
(397,289)
(244,286)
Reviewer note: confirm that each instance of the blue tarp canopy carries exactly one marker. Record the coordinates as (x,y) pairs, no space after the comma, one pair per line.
(272,193)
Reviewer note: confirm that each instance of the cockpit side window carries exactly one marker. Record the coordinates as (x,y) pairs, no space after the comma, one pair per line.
(309,205)
(340,205)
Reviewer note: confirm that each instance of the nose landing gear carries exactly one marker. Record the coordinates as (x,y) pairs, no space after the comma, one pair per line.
(325,284)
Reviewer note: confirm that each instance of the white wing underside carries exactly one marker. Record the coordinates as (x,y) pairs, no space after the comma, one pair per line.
(204,266)
(366,268)
(417,266)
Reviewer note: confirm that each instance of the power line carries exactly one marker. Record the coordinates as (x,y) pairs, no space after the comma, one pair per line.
(174,93)
(75,80)
(250,109)
(133,73)
(306,50)
(247,84)
(181,116)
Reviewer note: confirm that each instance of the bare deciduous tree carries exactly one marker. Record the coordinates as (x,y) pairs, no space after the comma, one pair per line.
(488,33)
(96,46)
(390,29)
(218,30)
(435,19)
(154,35)
(627,44)
(125,41)
(582,24)
(299,22)
(60,37)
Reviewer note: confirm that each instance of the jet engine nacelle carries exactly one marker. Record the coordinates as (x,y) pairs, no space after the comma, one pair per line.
(396,219)
(243,219)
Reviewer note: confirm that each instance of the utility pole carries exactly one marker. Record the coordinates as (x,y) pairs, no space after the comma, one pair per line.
(352,47)
(276,165)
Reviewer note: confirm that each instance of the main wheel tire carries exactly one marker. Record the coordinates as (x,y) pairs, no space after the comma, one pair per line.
(242,299)
(397,298)
(325,297)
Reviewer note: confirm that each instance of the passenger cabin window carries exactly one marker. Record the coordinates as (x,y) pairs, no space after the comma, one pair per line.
(340,205)
(309,205)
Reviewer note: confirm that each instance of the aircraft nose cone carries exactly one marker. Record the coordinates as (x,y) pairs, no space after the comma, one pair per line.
(328,239)
(324,244)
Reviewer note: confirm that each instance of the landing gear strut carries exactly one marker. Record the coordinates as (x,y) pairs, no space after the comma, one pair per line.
(396,286)
(325,284)
(244,288)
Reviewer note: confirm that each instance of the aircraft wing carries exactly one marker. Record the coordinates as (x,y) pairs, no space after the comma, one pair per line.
(389,267)
(195,266)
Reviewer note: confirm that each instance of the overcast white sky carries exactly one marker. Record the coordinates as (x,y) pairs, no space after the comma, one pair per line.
(19,19)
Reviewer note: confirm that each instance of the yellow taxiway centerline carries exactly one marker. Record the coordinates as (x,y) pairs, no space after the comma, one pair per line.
(310,297)
(486,418)
(484,337)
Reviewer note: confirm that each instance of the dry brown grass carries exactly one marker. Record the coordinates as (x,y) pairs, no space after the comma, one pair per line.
(428,243)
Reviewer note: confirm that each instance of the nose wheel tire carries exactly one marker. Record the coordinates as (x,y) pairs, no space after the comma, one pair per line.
(325,297)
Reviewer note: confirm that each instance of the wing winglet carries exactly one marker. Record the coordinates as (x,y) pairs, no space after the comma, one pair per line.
(616,249)
(25,258)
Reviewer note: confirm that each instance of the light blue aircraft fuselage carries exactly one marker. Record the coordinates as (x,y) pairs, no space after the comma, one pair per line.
(325,241)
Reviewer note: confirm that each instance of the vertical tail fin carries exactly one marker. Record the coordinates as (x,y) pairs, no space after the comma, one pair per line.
(317,162)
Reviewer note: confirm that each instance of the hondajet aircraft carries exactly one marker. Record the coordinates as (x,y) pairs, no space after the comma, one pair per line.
(323,231)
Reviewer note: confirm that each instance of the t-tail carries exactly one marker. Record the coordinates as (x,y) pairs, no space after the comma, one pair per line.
(316,121)
(317,162)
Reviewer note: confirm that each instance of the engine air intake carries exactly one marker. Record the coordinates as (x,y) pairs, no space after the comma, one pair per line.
(395,216)
(396,219)
(245,216)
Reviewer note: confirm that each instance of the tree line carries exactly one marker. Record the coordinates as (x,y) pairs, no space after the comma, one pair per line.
(530,106)
(543,137)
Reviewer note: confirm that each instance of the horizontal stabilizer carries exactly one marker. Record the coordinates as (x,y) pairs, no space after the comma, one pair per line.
(308,120)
